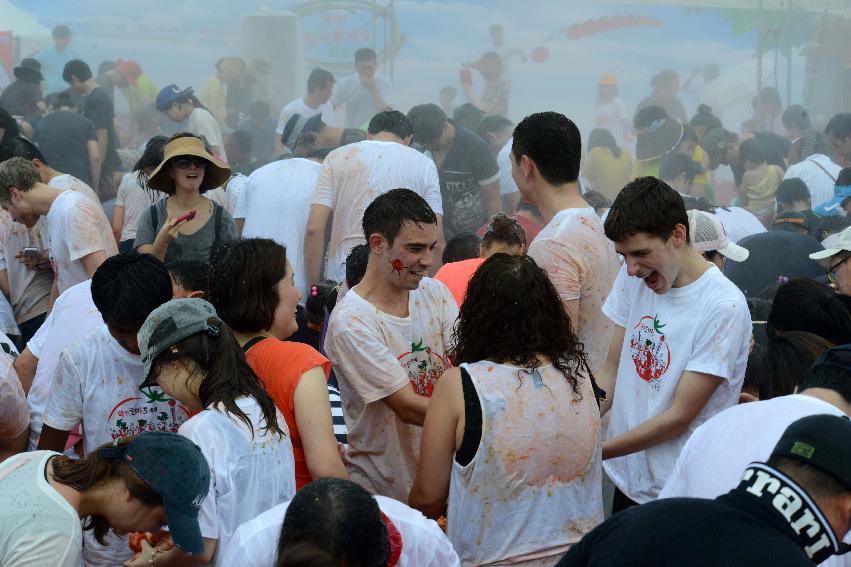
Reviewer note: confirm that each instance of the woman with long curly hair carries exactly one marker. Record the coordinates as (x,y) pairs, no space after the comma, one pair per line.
(511,443)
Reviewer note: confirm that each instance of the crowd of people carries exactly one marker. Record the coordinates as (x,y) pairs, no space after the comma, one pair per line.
(431,338)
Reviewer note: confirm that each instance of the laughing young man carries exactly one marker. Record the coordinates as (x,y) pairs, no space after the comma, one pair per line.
(680,345)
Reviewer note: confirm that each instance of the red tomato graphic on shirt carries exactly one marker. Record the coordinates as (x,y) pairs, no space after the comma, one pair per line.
(424,367)
(153,410)
(650,353)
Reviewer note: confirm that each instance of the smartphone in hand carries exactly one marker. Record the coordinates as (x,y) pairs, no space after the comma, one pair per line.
(30,252)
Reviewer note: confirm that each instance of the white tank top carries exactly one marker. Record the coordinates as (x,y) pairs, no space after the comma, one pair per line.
(534,486)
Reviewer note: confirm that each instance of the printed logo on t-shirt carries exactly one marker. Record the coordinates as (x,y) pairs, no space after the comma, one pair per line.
(152,411)
(650,352)
(424,367)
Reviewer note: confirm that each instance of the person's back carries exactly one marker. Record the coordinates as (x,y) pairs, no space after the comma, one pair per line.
(354,175)
(62,137)
(606,173)
(774,254)
(516,502)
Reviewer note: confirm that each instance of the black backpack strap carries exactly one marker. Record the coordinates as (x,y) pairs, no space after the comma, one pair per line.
(247,346)
(217,227)
(154,219)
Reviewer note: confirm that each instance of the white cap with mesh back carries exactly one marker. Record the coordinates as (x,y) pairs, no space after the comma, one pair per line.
(707,234)
(841,243)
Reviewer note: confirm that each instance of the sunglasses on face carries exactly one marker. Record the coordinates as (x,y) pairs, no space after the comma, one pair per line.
(186,163)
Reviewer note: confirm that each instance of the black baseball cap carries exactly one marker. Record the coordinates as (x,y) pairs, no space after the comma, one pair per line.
(822,441)
(174,467)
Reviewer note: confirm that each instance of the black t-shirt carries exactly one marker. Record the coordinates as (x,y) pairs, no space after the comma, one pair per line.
(468,164)
(62,138)
(98,108)
(21,98)
(732,531)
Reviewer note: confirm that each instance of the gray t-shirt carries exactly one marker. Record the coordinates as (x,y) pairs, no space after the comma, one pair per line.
(360,108)
(195,246)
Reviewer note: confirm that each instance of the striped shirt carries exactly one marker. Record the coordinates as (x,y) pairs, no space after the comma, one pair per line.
(341,432)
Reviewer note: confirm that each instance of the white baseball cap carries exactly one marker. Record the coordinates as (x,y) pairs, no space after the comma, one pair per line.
(842,243)
(707,234)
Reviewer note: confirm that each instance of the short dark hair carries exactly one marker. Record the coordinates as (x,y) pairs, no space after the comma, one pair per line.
(785,358)
(242,140)
(839,125)
(817,483)
(76,68)
(191,275)
(61,32)
(675,164)
(647,205)
(427,122)
(493,124)
(150,158)
(318,79)
(127,287)
(792,190)
(603,138)
(753,151)
(468,116)
(22,148)
(597,200)
(392,121)
(365,54)
(260,109)
(796,116)
(320,301)
(388,212)
(62,99)
(553,142)
(827,377)
(356,263)
(461,247)
(647,115)
(844,177)
(244,275)
(341,517)
(803,304)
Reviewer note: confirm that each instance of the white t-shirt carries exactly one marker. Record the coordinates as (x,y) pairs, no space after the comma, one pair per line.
(299,107)
(75,310)
(235,190)
(353,176)
(713,459)
(38,527)
(703,327)
(507,185)
(29,289)
(202,124)
(277,205)
(611,115)
(65,181)
(360,108)
(739,223)
(75,227)
(14,417)
(135,199)
(819,173)
(255,543)
(220,197)
(251,469)
(375,355)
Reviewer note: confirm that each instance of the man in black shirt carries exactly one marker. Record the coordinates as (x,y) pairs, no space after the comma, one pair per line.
(469,174)
(68,141)
(722,147)
(793,510)
(98,108)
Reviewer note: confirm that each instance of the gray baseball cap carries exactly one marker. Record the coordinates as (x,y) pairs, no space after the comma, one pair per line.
(170,323)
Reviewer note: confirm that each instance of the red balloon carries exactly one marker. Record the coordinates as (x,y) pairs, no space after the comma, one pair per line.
(540,54)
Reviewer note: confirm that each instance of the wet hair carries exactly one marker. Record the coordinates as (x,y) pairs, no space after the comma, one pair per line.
(839,125)
(468,116)
(493,124)
(832,225)
(602,138)
(22,148)
(76,68)
(818,484)
(356,263)
(597,200)
(675,164)
(664,78)
(461,247)
(646,205)
(244,276)
(503,230)
(365,54)
(150,159)
(94,471)
(260,109)
(319,79)
(19,173)
(392,121)
(427,122)
(844,177)
(318,306)
(797,117)
(806,305)
(792,190)
(340,517)
(646,116)
(699,204)
(389,212)
(226,374)
(783,360)
(62,100)
(753,151)
(829,378)
(305,554)
(191,275)
(704,118)
(759,308)
(512,314)
(553,142)
(127,287)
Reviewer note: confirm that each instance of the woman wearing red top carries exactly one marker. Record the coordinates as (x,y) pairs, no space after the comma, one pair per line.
(252,288)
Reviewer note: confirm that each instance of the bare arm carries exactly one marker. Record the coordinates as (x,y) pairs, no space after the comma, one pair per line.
(444,426)
(174,557)
(240,224)
(11,447)
(52,439)
(4,283)
(91,262)
(95,162)
(314,242)
(103,142)
(313,418)
(693,391)
(607,375)
(25,366)
(409,406)
(167,234)
(492,198)
(117,222)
